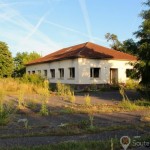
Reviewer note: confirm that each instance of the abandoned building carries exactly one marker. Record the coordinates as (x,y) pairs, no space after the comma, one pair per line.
(83,64)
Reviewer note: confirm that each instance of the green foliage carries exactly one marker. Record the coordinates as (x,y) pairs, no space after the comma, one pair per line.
(44,109)
(91,118)
(5,110)
(131,84)
(116,44)
(33,78)
(65,91)
(21,59)
(143,103)
(6,61)
(128,105)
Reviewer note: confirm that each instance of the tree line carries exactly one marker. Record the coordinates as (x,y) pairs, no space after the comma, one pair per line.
(141,48)
(14,67)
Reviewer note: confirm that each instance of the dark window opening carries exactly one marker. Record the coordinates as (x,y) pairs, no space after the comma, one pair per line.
(61,72)
(45,73)
(72,72)
(28,72)
(33,72)
(52,71)
(95,72)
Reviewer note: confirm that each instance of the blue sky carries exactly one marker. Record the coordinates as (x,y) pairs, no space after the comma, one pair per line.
(45,26)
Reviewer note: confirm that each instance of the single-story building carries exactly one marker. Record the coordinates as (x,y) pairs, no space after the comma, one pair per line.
(83,64)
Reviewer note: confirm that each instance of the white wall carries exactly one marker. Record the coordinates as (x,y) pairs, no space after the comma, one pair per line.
(66,64)
(82,70)
(105,65)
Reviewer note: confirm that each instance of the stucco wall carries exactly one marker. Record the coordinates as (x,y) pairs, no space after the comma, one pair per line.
(82,70)
(104,65)
(66,64)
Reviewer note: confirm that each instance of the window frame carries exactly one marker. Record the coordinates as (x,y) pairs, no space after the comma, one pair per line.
(61,73)
(72,72)
(52,73)
(93,72)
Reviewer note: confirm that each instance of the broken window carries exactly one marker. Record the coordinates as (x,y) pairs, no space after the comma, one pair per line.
(33,72)
(72,72)
(52,71)
(61,72)
(45,73)
(94,72)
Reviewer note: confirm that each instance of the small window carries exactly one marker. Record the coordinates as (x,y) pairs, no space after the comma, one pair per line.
(94,72)
(129,72)
(28,72)
(72,72)
(33,72)
(45,73)
(39,72)
(61,72)
(52,71)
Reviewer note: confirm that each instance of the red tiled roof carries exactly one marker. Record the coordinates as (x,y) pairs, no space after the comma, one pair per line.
(85,50)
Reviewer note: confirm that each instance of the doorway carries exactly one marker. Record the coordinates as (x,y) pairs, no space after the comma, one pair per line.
(113,75)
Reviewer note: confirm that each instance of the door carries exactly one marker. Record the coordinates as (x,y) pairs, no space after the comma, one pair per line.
(113,75)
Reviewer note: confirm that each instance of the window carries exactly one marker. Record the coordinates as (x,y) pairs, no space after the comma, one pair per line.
(72,72)
(28,72)
(94,72)
(45,73)
(129,72)
(33,72)
(61,72)
(52,71)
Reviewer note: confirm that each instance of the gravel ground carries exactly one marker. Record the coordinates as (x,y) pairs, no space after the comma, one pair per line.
(52,121)
(35,141)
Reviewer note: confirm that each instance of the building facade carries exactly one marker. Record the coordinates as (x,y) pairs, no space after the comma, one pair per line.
(83,64)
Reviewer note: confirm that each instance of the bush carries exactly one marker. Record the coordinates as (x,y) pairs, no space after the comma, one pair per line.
(33,78)
(131,84)
(128,105)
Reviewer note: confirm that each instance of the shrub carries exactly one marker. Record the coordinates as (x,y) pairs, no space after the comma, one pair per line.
(131,84)
(87,100)
(5,110)
(127,105)
(33,78)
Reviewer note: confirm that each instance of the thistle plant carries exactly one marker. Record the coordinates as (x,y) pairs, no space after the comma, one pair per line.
(44,109)
(87,100)
(72,97)
(21,102)
(91,118)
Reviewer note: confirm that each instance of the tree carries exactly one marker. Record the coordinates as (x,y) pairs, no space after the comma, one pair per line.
(6,61)
(116,44)
(143,47)
(21,59)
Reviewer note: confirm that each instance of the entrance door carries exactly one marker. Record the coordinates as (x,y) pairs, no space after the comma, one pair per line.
(113,75)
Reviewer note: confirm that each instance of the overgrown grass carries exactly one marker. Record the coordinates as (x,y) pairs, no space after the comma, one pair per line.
(128,105)
(5,110)
(84,145)
(109,144)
